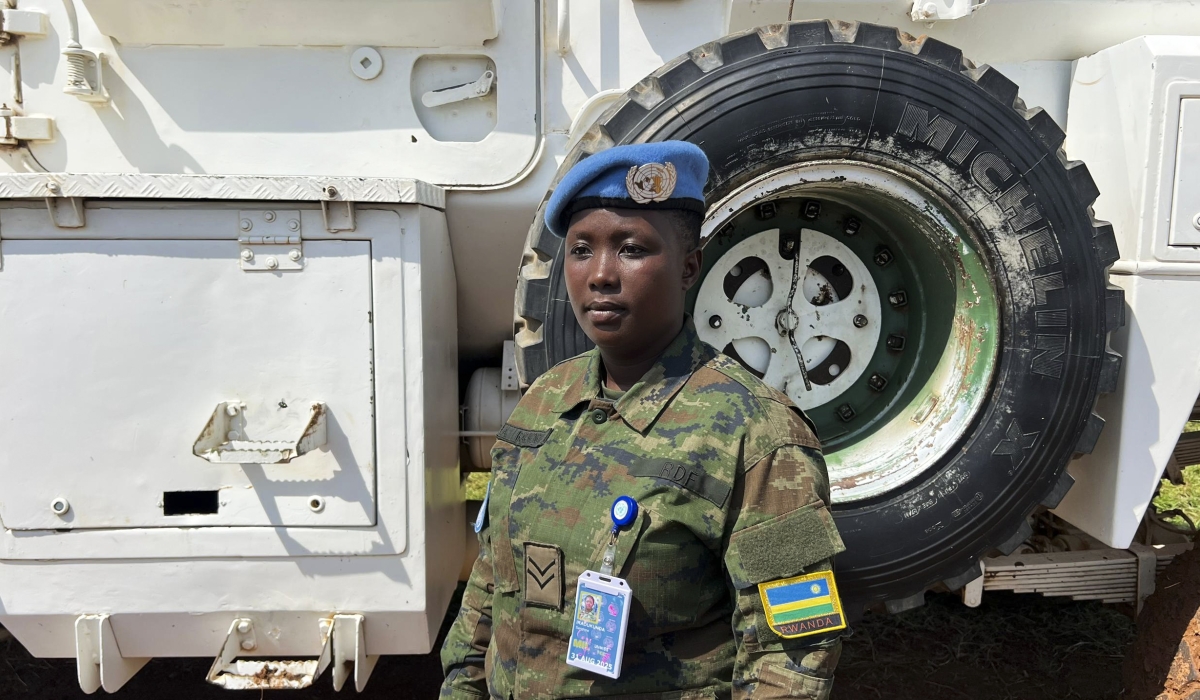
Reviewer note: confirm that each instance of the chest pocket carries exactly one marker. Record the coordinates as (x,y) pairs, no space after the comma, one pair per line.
(515,448)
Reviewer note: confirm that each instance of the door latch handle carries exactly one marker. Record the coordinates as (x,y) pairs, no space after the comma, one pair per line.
(459,93)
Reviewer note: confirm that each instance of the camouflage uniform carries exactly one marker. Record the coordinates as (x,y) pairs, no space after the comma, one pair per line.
(732,491)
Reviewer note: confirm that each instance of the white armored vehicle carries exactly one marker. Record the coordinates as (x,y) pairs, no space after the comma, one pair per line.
(249,252)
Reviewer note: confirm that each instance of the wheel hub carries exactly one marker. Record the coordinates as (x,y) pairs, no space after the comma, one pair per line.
(860,295)
(810,302)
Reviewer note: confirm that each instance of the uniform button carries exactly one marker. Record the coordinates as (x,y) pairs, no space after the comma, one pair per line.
(599,416)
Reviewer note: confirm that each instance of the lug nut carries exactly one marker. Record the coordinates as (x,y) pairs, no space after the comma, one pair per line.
(883,256)
(766,210)
(898,298)
(852,225)
(860,321)
(839,270)
(812,209)
(714,321)
(895,342)
(845,412)
(877,382)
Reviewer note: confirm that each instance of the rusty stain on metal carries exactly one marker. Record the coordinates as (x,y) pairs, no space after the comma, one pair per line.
(250,674)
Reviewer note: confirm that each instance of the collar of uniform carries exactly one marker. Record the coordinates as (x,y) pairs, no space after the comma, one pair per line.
(646,399)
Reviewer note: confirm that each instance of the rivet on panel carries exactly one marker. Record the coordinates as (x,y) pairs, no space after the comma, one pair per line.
(272,263)
(294,255)
(247,224)
(293,224)
(60,506)
(247,255)
(269,216)
(316,504)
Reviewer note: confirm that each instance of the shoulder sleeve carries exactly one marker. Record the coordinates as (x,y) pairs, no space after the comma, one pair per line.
(781,530)
(467,641)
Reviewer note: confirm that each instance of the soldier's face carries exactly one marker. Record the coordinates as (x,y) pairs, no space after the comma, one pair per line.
(627,275)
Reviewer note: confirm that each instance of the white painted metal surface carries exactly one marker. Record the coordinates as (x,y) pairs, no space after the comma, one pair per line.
(146,575)
(1125,123)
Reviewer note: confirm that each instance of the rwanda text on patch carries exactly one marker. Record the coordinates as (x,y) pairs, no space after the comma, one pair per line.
(804,605)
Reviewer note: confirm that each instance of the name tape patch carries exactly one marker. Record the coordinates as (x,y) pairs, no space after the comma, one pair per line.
(803,605)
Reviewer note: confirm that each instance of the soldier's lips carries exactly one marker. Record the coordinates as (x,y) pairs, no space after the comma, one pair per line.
(601,314)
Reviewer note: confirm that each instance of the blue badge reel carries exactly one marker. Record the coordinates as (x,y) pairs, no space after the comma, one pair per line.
(602,606)
(600,620)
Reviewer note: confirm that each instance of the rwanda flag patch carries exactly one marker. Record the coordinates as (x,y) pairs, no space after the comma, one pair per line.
(804,605)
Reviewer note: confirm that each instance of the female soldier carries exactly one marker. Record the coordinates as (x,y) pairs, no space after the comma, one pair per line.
(651,462)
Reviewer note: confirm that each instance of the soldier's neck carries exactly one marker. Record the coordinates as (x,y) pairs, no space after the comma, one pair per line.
(624,369)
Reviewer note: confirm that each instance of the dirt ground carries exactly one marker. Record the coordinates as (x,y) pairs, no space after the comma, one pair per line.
(1012,647)
(1166,655)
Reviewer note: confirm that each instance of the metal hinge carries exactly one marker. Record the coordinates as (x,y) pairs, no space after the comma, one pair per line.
(22,23)
(18,128)
(270,240)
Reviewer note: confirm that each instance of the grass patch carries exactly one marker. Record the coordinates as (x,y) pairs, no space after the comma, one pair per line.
(476,485)
(1185,496)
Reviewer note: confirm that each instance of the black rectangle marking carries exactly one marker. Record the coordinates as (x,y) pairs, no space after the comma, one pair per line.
(190,502)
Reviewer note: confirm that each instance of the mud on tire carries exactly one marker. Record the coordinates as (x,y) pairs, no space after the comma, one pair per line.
(766,100)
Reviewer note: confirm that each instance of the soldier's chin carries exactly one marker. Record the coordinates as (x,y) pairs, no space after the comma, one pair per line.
(606,331)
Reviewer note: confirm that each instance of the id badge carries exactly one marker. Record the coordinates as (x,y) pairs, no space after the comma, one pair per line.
(600,619)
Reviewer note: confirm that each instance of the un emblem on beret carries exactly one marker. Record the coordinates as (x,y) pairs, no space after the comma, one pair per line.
(652,182)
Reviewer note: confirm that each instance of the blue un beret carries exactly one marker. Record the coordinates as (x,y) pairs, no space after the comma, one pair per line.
(660,175)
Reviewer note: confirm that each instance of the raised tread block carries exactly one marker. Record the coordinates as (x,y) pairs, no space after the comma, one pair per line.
(625,120)
(532,302)
(1110,372)
(971,573)
(899,605)
(1105,243)
(941,54)
(1081,181)
(1114,308)
(997,85)
(1015,540)
(1091,433)
(809,34)
(878,36)
(1064,484)
(741,47)
(1047,132)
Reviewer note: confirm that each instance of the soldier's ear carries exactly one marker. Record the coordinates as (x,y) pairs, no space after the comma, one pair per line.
(693,262)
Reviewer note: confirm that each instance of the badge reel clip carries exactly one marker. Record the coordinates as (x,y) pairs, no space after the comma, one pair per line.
(602,606)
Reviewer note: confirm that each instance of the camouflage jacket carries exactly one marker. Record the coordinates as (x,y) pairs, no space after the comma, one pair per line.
(732,492)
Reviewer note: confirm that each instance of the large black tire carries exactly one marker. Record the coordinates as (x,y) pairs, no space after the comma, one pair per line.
(763,99)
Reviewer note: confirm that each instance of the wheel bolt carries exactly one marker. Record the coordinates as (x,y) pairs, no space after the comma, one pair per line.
(714,321)
(883,256)
(877,382)
(895,342)
(812,209)
(852,226)
(860,321)
(898,298)
(845,412)
(766,210)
